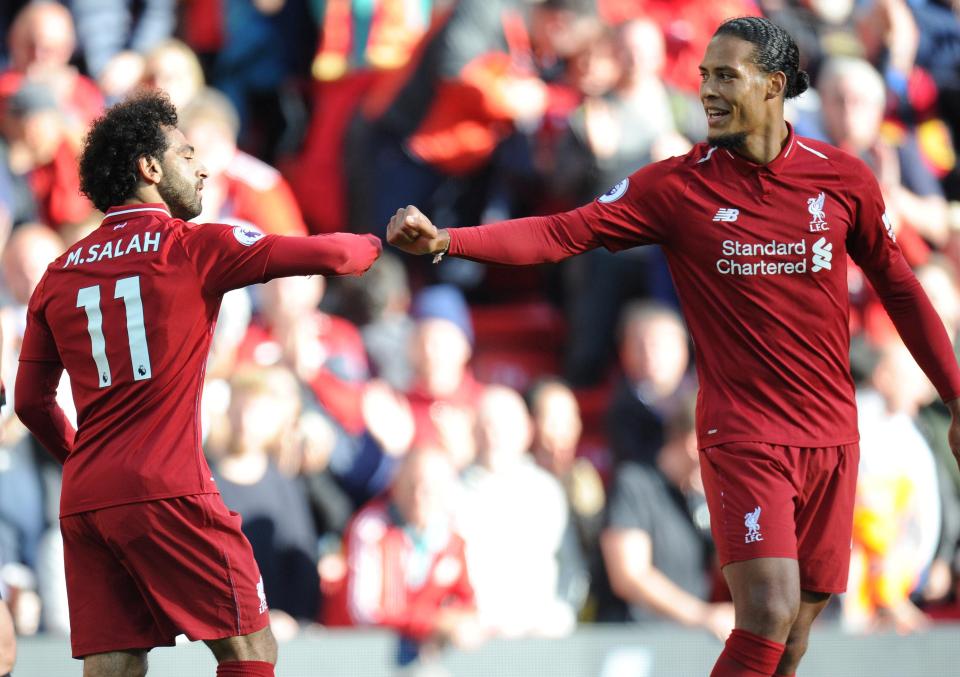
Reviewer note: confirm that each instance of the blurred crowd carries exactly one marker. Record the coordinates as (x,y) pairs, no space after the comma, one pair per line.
(459,452)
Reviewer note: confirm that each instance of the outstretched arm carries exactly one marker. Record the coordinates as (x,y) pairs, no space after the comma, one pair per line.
(537,239)
(333,254)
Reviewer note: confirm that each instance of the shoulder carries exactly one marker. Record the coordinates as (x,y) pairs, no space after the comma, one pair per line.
(654,178)
(823,157)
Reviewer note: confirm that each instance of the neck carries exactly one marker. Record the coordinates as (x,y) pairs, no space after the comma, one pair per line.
(765,145)
(145,195)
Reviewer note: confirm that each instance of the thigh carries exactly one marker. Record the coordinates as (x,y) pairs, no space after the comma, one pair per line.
(825,517)
(99,586)
(752,499)
(193,564)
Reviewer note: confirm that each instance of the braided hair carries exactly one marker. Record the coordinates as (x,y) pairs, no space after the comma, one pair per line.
(774,49)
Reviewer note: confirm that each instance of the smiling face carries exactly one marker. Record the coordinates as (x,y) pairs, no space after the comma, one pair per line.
(183,176)
(735,93)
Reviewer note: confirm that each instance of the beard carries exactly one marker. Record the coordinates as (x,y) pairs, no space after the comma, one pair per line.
(731,141)
(180,196)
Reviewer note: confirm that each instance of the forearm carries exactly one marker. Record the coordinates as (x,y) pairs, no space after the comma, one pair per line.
(334,254)
(537,239)
(919,326)
(36,405)
(653,590)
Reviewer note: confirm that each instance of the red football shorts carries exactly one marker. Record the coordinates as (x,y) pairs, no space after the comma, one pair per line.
(768,500)
(140,574)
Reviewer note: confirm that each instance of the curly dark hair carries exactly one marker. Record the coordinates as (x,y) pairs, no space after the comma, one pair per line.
(774,50)
(127,132)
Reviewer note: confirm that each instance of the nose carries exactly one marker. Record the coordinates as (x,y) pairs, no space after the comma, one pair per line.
(707,90)
(202,171)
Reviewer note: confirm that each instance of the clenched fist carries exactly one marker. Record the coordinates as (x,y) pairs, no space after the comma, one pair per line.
(410,231)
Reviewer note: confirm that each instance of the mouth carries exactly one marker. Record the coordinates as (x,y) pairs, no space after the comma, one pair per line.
(716,116)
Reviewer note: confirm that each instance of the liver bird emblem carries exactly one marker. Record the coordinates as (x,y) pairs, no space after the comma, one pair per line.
(815,207)
(752,521)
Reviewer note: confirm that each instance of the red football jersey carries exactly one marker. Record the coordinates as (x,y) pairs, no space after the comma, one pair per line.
(130,311)
(758,254)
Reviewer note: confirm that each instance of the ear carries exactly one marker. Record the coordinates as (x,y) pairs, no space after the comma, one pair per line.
(150,170)
(776,84)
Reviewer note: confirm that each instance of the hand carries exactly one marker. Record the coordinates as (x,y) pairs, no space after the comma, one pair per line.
(719,620)
(410,231)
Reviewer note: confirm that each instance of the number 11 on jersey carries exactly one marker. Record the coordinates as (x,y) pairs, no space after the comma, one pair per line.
(128,289)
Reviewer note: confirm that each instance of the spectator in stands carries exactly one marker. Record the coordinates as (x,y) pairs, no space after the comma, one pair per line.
(556,433)
(628,118)
(654,356)
(323,350)
(372,424)
(42,160)
(656,541)
(173,67)
(255,50)
(821,28)
(379,302)
(897,515)
(938,52)
(238,185)
(29,484)
(853,99)
(264,407)
(474,83)
(687,26)
(443,393)
(513,520)
(938,277)
(111,30)
(42,41)
(407,569)
(29,251)
(361,42)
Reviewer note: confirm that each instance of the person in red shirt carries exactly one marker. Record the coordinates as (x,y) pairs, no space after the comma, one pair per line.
(756,225)
(407,564)
(129,312)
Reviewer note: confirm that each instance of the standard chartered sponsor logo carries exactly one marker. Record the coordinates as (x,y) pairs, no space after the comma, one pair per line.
(822,255)
(773,257)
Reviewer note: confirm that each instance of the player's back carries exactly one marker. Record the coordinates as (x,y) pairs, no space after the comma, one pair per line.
(130,317)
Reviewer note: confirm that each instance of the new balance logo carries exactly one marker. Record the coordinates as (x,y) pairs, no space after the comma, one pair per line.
(120,225)
(822,255)
(752,522)
(726,214)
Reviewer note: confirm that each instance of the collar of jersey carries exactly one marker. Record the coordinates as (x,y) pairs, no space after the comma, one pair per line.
(121,212)
(775,166)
